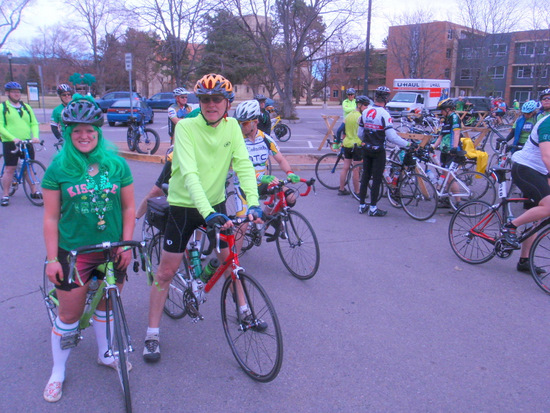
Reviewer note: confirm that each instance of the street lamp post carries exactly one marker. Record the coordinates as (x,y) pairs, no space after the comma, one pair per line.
(9,60)
(367,52)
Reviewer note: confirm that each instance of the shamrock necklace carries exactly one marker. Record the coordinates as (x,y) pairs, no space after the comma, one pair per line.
(99,191)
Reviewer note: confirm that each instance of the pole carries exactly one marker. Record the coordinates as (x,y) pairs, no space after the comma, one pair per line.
(9,60)
(42,88)
(326,74)
(367,53)
(128,64)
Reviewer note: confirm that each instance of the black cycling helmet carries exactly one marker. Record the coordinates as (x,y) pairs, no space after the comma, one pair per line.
(446,104)
(382,92)
(62,88)
(12,86)
(362,99)
(543,93)
(259,97)
(82,110)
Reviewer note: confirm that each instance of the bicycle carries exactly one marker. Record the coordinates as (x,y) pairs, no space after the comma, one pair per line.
(296,240)
(255,339)
(329,166)
(140,138)
(475,234)
(457,187)
(403,186)
(29,173)
(119,340)
(279,129)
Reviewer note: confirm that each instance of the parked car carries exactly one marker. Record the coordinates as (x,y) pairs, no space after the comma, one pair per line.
(120,111)
(479,103)
(164,99)
(108,99)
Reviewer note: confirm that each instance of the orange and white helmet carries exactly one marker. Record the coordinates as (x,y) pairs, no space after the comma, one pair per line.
(213,84)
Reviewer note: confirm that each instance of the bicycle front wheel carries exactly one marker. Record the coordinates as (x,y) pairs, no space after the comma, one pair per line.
(327,170)
(255,338)
(418,197)
(298,246)
(148,142)
(473,231)
(539,258)
(120,346)
(32,175)
(470,186)
(282,132)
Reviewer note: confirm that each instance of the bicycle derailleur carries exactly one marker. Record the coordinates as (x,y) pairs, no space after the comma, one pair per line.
(191,304)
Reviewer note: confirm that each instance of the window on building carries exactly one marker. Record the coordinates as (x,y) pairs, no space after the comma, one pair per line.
(526,49)
(541,72)
(498,49)
(522,95)
(447,74)
(498,93)
(465,74)
(496,72)
(450,34)
(524,72)
(449,53)
(466,53)
(335,93)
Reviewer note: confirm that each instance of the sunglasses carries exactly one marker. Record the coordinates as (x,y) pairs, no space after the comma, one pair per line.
(545,98)
(245,123)
(66,94)
(207,99)
(182,96)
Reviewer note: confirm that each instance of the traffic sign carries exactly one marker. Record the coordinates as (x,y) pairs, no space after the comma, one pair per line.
(128,60)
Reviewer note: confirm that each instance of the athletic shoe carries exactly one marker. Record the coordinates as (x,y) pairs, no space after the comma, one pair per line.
(343,192)
(53,391)
(257,325)
(36,195)
(510,236)
(113,364)
(525,266)
(363,208)
(151,351)
(377,213)
(5,202)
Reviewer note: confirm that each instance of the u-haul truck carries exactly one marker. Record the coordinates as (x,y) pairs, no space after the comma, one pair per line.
(412,94)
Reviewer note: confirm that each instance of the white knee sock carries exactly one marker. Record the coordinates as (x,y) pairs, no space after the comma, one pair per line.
(100,329)
(60,356)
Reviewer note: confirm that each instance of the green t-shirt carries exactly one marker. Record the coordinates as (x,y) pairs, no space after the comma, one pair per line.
(450,124)
(351,124)
(459,105)
(78,222)
(56,119)
(202,155)
(17,123)
(526,130)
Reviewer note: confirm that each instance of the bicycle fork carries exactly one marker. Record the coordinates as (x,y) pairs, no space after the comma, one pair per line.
(125,330)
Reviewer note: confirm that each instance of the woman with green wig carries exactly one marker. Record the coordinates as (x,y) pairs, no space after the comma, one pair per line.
(88,199)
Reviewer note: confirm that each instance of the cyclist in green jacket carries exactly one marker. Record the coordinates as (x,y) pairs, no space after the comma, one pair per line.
(348,106)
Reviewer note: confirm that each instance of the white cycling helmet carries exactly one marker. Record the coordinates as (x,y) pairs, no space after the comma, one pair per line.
(180,91)
(248,110)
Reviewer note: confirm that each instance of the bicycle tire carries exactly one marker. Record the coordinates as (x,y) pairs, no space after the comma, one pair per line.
(327,170)
(149,142)
(539,257)
(258,352)
(131,139)
(355,193)
(34,171)
(47,289)
(480,187)
(282,132)
(300,251)
(474,247)
(120,347)
(418,197)
(174,306)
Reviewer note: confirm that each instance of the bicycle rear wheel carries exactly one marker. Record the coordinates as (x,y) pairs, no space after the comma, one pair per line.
(33,174)
(473,231)
(299,251)
(470,186)
(327,170)
(418,197)
(357,170)
(148,142)
(282,132)
(174,306)
(120,346)
(131,139)
(539,257)
(49,295)
(255,339)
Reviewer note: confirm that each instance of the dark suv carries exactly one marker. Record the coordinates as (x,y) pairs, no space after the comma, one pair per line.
(478,103)
(109,98)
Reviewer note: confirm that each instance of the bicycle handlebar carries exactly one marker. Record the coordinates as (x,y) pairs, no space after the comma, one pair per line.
(106,246)
(277,187)
(24,142)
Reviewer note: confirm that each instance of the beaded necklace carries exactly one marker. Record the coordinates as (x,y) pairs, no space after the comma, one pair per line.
(99,191)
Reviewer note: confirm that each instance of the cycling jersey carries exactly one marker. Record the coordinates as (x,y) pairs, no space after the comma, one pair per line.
(176,111)
(17,122)
(202,156)
(56,119)
(259,151)
(522,129)
(264,122)
(348,106)
(375,126)
(351,126)
(530,154)
(78,221)
(450,124)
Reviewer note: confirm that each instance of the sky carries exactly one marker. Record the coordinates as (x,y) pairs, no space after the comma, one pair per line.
(48,12)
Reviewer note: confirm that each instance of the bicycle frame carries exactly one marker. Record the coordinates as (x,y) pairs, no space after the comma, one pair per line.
(280,204)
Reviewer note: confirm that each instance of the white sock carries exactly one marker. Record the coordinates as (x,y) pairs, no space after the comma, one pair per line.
(153,331)
(373,208)
(100,329)
(60,356)
(243,309)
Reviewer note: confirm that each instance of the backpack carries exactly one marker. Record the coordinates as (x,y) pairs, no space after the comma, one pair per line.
(5,110)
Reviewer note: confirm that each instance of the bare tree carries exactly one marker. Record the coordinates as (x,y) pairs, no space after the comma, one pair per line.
(280,29)
(10,17)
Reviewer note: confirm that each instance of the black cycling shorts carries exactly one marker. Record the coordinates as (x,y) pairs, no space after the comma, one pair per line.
(181,224)
(10,158)
(353,153)
(531,183)
(86,265)
(165,174)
